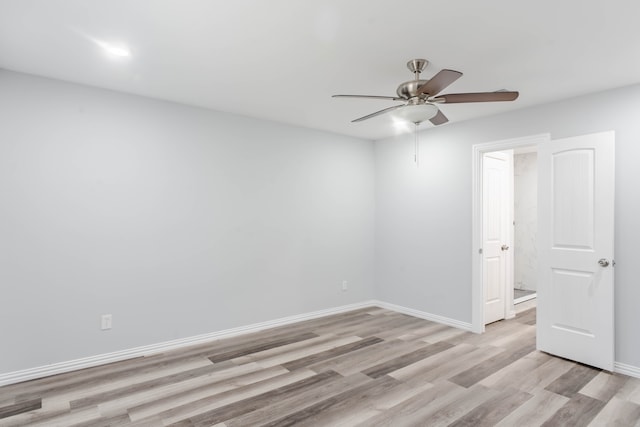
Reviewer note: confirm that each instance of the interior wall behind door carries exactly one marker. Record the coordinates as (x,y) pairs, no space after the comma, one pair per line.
(526,220)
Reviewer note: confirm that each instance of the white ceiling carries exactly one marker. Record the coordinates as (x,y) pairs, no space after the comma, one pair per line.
(283,59)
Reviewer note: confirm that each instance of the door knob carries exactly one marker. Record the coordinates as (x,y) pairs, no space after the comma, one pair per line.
(603,262)
(504,247)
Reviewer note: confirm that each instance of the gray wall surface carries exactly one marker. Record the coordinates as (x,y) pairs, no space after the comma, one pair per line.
(176,220)
(181,221)
(525,216)
(423,215)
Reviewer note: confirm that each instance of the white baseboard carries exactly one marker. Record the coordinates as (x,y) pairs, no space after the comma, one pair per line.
(424,315)
(623,368)
(525,298)
(116,356)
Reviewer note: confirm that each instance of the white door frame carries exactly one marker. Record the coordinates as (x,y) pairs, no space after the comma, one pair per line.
(478,150)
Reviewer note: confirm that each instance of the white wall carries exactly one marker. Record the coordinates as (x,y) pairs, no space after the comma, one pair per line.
(423,216)
(179,221)
(525,215)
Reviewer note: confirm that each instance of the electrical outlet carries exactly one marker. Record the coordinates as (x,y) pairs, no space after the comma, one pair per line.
(105,322)
(345,285)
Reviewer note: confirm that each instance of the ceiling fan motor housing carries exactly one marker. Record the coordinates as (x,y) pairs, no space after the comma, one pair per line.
(408,90)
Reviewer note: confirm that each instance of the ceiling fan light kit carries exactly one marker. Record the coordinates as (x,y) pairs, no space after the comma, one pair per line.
(416,113)
(421,97)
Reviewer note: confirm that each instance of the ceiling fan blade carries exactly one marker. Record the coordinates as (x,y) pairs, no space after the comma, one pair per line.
(377,113)
(440,81)
(392,98)
(456,98)
(439,119)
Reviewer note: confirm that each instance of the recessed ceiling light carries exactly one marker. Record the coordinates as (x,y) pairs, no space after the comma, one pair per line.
(119,51)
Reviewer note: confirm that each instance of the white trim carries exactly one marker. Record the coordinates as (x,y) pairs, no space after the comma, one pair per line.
(623,368)
(424,315)
(524,298)
(116,356)
(477,150)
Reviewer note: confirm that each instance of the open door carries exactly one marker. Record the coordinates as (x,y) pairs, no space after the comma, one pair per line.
(575,242)
(497,219)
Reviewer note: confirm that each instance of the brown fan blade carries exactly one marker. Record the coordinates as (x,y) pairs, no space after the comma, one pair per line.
(439,119)
(392,98)
(438,82)
(456,98)
(377,113)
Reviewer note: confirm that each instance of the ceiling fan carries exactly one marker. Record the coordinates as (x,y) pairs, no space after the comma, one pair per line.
(421,97)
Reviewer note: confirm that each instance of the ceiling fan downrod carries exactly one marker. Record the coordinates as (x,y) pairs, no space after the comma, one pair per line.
(416,66)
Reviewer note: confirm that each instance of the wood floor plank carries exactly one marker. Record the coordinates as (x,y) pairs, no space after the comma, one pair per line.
(330,354)
(511,340)
(288,406)
(119,420)
(544,375)
(578,411)
(604,386)
(72,386)
(528,317)
(20,408)
(94,399)
(492,365)
(359,360)
(617,412)
(48,410)
(634,395)
(273,353)
(518,369)
(440,367)
(396,363)
(178,392)
(494,331)
(153,405)
(445,415)
(176,413)
(404,332)
(368,367)
(422,332)
(573,380)
(335,407)
(255,348)
(69,418)
(449,334)
(415,410)
(299,352)
(535,411)
(232,410)
(385,326)
(493,410)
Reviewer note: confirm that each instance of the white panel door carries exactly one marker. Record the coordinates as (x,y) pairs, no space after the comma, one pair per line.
(496,168)
(575,242)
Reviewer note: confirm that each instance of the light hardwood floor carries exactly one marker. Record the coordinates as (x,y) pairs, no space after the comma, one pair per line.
(370,367)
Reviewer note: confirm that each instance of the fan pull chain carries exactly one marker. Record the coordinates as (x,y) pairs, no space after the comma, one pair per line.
(416,145)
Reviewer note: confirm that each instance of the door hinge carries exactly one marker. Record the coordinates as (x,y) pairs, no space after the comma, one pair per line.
(480,251)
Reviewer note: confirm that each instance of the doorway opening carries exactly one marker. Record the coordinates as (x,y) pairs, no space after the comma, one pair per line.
(519,272)
(509,227)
